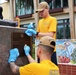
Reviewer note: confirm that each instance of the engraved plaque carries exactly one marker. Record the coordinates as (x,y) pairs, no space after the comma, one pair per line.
(18,40)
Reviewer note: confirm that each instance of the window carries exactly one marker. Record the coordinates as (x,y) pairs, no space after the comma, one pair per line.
(26,25)
(63,29)
(74,2)
(24,7)
(65,3)
(56,3)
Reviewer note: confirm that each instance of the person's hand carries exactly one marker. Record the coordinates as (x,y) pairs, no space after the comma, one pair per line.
(14,53)
(31,26)
(30,32)
(27,50)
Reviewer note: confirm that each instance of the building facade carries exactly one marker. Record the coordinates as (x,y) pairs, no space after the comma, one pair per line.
(63,10)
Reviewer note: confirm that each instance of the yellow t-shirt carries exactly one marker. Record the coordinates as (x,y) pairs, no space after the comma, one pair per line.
(48,24)
(46,67)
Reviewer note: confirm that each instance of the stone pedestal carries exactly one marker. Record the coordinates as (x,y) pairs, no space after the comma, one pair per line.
(11,37)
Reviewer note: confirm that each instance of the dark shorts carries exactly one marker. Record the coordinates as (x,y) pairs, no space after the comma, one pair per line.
(54,58)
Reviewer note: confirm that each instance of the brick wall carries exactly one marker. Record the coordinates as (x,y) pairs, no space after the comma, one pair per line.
(66,69)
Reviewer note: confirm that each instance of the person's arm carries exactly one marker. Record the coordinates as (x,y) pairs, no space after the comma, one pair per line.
(30,59)
(14,53)
(51,34)
(14,68)
(27,53)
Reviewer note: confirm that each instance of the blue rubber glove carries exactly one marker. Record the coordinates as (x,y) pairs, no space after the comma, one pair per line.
(30,32)
(31,26)
(27,50)
(13,55)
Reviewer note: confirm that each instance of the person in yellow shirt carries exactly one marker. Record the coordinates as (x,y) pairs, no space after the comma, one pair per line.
(46,26)
(44,52)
